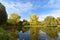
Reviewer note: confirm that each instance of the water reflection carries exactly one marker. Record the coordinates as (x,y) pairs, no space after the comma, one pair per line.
(25,35)
(58,36)
(42,36)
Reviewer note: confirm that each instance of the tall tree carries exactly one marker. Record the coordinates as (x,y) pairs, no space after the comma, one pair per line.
(3,19)
(13,21)
(3,14)
(51,24)
(50,21)
(34,31)
(33,19)
(14,18)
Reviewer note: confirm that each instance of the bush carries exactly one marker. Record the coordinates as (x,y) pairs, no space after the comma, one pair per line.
(3,34)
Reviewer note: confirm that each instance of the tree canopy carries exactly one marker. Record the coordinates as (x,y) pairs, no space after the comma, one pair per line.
(3,14)
(14,18)
(50,27)
(50,21)
(33,19)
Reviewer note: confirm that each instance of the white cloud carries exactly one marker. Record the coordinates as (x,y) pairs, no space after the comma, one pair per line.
(52,4)
(0,0)
(22,7)
(26,7)
(54,13)
(18,7)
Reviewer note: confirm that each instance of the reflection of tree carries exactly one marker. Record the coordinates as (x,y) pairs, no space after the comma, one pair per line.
(25,24)
(3,35)
(13,21)
(51,32)
(33,29)
(58,24)
(50,27)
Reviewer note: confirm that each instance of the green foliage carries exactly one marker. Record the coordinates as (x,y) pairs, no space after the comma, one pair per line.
(52,32)
(34,30)
(3,14)
(25,23)
(24,29)
(14,19)
(58,28)
(3,35)
(20,25)
(13,35)
(58,20)
(49,28)
(33,19)
(50,21)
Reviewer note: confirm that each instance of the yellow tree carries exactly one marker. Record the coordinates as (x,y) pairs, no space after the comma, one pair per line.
(13,20)
(58,24)
(58,20)
(51,24)
(34,31)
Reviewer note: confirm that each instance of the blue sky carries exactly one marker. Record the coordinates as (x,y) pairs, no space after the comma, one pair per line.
(25,8)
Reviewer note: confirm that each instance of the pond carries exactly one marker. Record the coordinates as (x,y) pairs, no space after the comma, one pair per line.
(42,35)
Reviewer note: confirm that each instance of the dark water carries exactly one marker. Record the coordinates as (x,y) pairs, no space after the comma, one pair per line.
(26,36)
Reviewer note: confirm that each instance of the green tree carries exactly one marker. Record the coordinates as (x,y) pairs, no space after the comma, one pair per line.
(25,22)
(50,27)
(3,20)
(14,18)
(34,29)
(13,22)
(26,25)
(50,21)
(3,35)
(3,14)
(20,25)
(33,19)
(58,24)
(58,20)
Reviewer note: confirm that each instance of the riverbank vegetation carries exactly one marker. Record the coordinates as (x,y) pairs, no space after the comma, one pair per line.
(9,27)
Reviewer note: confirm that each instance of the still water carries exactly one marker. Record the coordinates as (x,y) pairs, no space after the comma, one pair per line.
(42,35)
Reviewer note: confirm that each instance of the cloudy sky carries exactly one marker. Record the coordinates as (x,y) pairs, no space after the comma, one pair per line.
(25,8)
